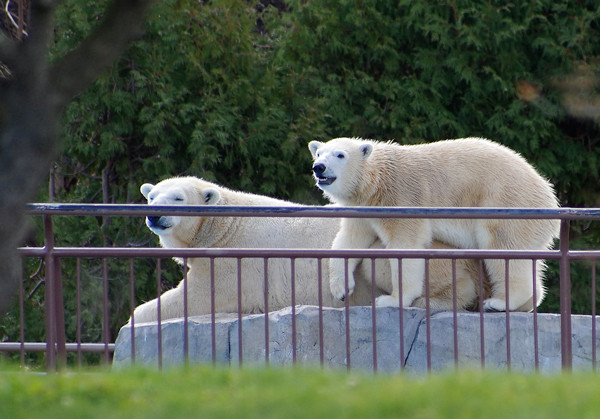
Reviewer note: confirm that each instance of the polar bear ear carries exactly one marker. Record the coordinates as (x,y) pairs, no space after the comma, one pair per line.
(145,189)
(211,196)
(366,149)
(313,146)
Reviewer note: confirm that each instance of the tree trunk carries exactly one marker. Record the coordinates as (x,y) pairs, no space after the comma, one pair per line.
(33,96)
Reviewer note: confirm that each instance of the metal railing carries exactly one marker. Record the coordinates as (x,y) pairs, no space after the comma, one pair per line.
(56,347)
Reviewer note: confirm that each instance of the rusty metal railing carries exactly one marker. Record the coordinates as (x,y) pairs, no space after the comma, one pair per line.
(56,346)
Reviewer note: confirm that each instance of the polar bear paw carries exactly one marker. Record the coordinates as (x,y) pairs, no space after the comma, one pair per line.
(494,304)
(338,287)
(386,301)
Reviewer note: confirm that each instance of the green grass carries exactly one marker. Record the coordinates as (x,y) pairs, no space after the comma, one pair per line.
(206,392)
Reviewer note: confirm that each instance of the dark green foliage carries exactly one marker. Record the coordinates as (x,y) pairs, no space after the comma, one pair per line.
(418,71)
(206,93)
(200,95)
(232,91)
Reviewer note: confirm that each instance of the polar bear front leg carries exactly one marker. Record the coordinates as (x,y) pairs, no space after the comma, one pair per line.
(404,234)
(171,306)
(353,234)
(413,277)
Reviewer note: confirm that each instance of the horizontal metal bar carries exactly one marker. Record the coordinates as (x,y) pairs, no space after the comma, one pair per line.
(42,347)
(157,252)
(312,211)
(584,254)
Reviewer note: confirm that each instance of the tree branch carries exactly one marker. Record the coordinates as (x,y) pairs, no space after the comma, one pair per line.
(28,66)
(123,24)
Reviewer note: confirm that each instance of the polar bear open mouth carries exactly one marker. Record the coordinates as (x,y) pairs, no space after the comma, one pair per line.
(324,180)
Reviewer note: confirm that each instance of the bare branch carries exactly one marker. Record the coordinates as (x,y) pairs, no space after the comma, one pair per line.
(12,18)
(123,24)
(28,65)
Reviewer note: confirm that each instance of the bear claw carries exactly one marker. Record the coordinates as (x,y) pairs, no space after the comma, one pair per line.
(492,305)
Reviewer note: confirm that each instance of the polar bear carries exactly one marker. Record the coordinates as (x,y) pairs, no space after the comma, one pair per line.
(268,232)
(468,172)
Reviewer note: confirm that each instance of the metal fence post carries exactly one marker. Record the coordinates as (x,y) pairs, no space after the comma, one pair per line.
(49,294)
(59,317)
(566,343)
(55,333)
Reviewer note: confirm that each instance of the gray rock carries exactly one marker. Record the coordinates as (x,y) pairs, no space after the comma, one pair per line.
(245,341)
(200,349)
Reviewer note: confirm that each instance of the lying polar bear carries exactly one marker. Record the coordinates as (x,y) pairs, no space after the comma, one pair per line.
(268,232)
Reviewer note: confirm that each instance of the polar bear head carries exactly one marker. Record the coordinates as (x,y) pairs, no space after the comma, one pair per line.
(178,231)
(340,158)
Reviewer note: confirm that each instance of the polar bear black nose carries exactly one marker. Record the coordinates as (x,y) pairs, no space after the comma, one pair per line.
(153,220)
(319,169)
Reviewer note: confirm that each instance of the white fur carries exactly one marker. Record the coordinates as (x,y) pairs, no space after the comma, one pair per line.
(241,232)
(265,232)
(469,172)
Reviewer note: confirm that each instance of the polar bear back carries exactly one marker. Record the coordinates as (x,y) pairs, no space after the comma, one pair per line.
(482,174)
(270,231)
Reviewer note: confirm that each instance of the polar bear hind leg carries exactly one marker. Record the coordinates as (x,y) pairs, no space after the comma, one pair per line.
(520,285)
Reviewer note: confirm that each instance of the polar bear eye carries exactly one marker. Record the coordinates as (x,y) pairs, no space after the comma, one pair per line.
(178,199)
(340,156)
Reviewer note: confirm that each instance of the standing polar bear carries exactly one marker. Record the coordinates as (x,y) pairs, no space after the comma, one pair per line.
(468,172)
(268,232)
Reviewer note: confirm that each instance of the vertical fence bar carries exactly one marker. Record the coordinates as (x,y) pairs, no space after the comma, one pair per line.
(481,318)
(266,288)
(373,315)
(565,298)
(22,320)
(106,316)
(186,336)
(239,308)
(61,338)
(320,291)
(213,309)
(507,311)
(293,289)
(400,315)
(49,295)
(159,311)
(132,308)
(536,347)
(427,315)
(347,312)
(78,310)
(454,314)
(593,286)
